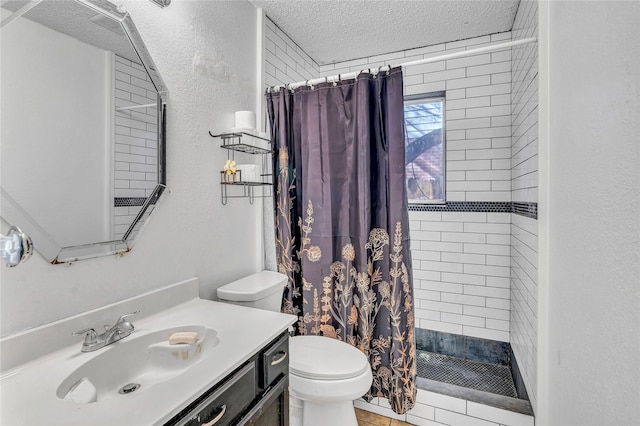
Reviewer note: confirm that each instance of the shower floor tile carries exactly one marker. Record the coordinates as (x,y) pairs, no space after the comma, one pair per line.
(481,376)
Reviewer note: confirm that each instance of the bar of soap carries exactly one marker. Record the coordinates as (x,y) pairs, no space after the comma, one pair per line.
(181,337)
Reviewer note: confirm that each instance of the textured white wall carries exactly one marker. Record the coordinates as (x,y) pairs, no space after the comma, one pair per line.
(206,54)
(524,188)
(589,335)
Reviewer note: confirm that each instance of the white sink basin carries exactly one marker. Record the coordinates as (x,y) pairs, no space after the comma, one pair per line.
(45,363)
(135,364)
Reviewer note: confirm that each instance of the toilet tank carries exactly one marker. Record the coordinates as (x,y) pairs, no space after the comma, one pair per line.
(262,290)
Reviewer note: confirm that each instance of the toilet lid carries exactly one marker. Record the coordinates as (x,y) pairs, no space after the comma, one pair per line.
(253,287)
(323,358)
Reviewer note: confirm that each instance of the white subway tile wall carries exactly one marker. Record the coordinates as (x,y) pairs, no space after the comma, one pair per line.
(136,134)
(524,104)
(284,61)
(461,267)
(524,184)
(478,111)
(433,409)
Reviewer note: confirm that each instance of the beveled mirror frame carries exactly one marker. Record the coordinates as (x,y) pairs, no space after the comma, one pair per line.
(14,214)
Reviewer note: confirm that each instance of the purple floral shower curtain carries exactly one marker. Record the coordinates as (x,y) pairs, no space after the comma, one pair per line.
(342,223)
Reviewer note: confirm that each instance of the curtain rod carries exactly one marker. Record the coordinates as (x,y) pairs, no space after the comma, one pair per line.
(443,57)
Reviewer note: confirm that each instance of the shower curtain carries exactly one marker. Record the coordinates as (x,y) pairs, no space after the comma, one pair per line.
(342,223)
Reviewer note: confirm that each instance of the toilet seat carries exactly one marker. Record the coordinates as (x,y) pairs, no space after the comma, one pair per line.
(323,358)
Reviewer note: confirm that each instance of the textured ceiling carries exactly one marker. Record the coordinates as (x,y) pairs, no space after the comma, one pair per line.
(338,30)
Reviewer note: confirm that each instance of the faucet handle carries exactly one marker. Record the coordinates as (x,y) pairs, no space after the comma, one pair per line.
(121,319)
(90,338)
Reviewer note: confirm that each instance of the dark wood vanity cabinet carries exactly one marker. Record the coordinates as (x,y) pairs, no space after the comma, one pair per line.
(257,393)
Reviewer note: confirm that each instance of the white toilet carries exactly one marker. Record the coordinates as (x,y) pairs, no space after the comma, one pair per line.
(325,375)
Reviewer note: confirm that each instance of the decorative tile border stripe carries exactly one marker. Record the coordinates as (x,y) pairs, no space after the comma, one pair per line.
(131,201)
(526,209)
(128,201)
(464,206)
(523,209)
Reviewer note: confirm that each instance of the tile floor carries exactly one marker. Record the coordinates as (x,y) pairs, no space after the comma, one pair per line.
(367,418)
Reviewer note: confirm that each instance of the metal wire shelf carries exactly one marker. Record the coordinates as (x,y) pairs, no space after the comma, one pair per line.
(233,142)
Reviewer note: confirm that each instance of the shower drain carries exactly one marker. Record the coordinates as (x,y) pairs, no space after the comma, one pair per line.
(129,388)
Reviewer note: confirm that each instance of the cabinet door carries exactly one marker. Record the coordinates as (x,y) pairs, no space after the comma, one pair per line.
(273,408)
(275,361)
(227,403)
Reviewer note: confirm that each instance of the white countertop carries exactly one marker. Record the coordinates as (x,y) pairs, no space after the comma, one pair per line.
(28,391)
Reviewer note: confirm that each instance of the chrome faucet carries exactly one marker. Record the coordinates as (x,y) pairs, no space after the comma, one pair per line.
(94,341)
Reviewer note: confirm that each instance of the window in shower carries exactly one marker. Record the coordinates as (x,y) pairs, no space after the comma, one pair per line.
(424,148)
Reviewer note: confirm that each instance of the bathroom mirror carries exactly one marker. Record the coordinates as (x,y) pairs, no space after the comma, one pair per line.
(83,113)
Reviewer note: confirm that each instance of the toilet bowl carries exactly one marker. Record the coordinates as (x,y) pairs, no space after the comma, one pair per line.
(325,375)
